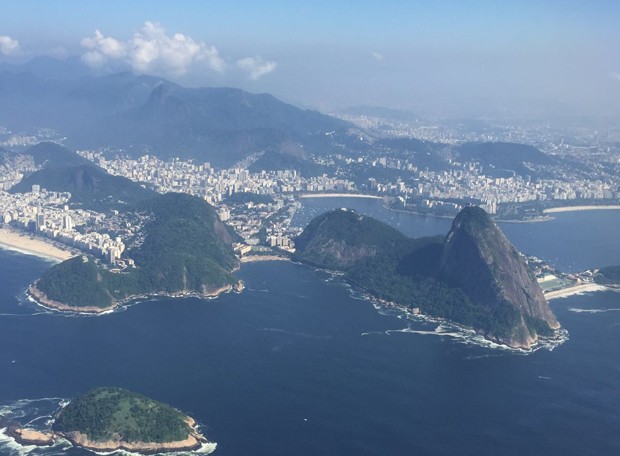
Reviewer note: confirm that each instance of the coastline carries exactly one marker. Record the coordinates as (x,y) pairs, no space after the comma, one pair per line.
(260,258)
(580,208)
(30,437)
(575,290)
(42,300)
(25,243)
(338,195)
(459,331)
(545,218)
(474,337)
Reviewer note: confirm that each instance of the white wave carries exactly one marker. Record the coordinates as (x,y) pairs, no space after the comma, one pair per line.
(9,446)
(370,333)
(468,336)
(205,448)
(543,377)
(577,310)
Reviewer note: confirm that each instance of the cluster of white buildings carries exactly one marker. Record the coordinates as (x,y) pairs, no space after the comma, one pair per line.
(202,180)
(49,215)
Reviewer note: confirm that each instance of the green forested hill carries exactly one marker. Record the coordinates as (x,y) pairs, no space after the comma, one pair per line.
(117,414)
(186,248)
(443,277)
(90,186)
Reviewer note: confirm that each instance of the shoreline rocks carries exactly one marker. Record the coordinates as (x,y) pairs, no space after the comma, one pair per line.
(41,299)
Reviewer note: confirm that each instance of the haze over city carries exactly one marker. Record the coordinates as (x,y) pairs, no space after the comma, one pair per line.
(447,58)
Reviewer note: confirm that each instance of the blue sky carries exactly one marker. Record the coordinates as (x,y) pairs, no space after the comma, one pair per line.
(446,57)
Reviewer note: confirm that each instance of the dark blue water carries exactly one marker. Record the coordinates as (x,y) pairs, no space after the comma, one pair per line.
(285,368)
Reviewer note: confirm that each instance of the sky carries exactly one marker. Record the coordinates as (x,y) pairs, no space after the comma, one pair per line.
(449,58)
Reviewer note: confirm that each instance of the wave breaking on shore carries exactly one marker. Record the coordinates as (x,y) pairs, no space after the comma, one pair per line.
(38,415)
(459,333)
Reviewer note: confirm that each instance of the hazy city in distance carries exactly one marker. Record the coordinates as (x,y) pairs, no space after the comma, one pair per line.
(276,228)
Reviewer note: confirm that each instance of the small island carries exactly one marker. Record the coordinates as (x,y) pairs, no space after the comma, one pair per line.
(111,419)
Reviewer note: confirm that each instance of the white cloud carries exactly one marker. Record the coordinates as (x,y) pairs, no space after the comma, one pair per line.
(256,66)
(151,49)
(8,45)
(614,76)
(377,56)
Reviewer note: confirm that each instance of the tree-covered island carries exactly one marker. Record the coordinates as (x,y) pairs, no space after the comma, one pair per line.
(111,419)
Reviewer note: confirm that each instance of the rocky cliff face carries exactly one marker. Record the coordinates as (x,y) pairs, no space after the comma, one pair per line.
(479,259)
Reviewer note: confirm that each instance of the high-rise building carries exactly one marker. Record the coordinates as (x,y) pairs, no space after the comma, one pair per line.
(67,222)
(113,255)
(40,221)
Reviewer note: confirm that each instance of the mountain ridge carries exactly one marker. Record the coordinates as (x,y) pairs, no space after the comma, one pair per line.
(144,113)
(432,273)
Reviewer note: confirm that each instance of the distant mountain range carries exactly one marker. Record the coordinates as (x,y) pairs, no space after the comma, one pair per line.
(146,114)
(142,114)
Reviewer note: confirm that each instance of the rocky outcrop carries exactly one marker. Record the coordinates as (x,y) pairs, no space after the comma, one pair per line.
(191,443)
(478,258)
(25,436)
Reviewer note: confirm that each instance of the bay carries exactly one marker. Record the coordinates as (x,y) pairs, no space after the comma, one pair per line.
(297,364)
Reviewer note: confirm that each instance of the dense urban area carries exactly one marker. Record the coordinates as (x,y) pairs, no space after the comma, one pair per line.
(260,204)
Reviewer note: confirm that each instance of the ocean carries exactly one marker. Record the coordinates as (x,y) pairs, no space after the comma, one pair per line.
(300,364)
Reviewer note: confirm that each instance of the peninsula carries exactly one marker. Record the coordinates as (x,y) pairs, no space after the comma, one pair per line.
(473,276)
(182,250)
(112,419)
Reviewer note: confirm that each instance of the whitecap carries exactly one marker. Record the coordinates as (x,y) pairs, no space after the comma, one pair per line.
(10,446)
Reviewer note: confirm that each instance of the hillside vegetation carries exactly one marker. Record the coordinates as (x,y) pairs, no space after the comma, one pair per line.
(186,248)
(105,414)
(474,276)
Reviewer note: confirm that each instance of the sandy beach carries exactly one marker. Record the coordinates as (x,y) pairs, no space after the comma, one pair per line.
(257,258)
(577,289)
(580,208)
(25,243)
(339,195)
